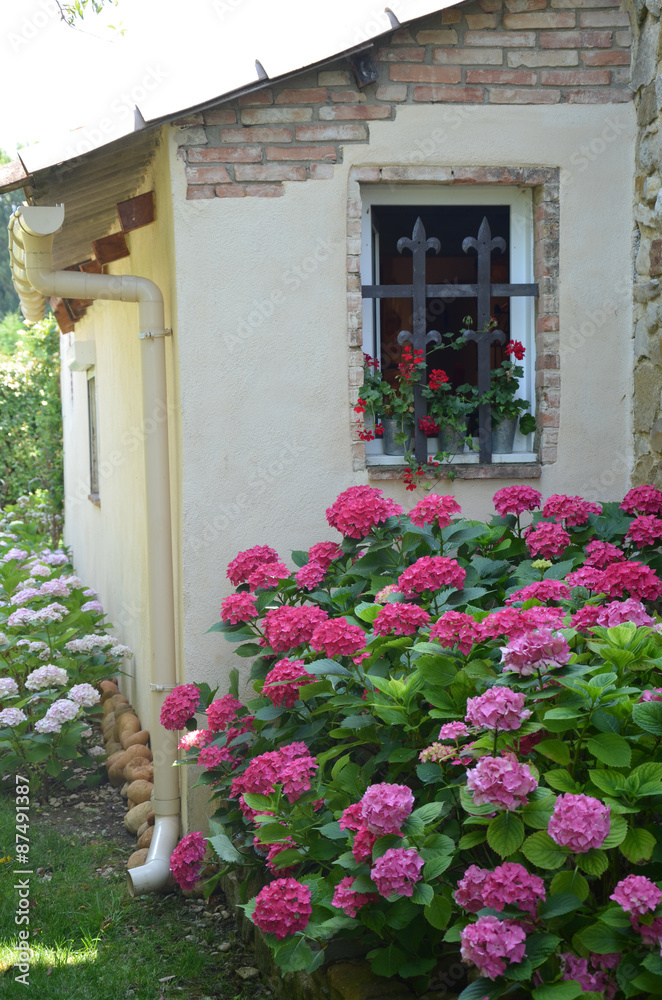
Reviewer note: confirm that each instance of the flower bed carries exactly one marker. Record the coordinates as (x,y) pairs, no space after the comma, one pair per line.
(455,747)
(54,652)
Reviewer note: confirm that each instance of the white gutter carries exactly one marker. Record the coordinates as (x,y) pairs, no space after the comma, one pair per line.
(31,232)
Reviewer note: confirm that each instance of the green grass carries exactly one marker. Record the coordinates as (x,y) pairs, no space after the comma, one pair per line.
(91,941)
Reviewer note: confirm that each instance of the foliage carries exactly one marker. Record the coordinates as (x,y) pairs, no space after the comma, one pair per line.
(76,10)
(30,415)
(53,640)
(585,734)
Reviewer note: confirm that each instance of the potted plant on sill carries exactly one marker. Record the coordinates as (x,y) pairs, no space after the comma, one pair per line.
(448,410)
(392,404)
(507,409)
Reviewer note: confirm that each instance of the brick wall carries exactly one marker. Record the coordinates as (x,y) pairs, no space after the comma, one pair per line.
(479,52)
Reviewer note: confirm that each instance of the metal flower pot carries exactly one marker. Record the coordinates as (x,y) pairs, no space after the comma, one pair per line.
(451,439)
(503,436)
(395,428)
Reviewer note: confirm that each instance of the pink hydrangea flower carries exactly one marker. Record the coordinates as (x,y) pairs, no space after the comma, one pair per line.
(640,581)
(453,731)
(547,540)
(645,530)
(93,606)
(273,850)
(359,509)
(283,907)
(516,499)
(55,588)
(601,554)
(499,708)
(541,649)
(397,871)
(248,561)
(283,681)
(637,894)
(431,573)
(510,884)
(337,637)
(492,944)
(268,575)
(310,575)
(286,627)
(579,822)
(290,766)
(501,782)
(222,712)
(435,509)
(385,807)
(470,889)
(351,818)
(642,500)
(179,706)
(585,618)
(239,608)
(654,695)
(24,596)
(573,510)
(542,590)
(586,576)
(514,622)
(437,753)
(455,628)
(350,901)
(364,842)
(195,738)
(590,982)
(295,776)
(213,756)
(187,858)
(651,934)
(400,619)
(325,553)
(617,612)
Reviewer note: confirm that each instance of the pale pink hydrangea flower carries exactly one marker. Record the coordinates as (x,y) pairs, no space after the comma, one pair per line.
(24,616)
(499,708)
(579,822)
(453,731)
(617,612)
(17,554)
(51,613)
(55,588)
(239,608)
(501,782)
(60,711)
(222,712)
(93,606)
(435,509)
(637,894)
(286,627)
(195,738)
(643,500)
(187,858)
(437,753)
(291,671)
(400,619)
(24,596)
(359,509)
(573,510)
(245,563)
(96,752)
(44,677)
(431,573)
(179,706)
(12,717)
(42,571)
(385,807)
(337,637)
(601,554)
(8,687)
(516,500)
(547,540)
(350,901)
(283,907)
(397,871)
(541,649)
(84,694)
(541,590)
(382,596)
(492,944)
(455,628)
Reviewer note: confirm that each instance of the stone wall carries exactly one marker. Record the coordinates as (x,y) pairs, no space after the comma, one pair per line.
(647,400)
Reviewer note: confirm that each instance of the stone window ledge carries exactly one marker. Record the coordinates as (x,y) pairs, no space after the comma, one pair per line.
(510,470)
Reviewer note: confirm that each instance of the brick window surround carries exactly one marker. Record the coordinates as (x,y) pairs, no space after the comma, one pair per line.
(544,183)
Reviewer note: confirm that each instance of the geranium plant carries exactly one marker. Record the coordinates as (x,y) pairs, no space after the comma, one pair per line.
(455,742)
(504,386)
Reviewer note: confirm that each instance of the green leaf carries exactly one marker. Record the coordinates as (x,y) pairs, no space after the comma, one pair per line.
(438,912)
(556,750)
(505,834)
(648,716)
(593,862)
(249,649)
(225,849)
(556,905)
(542,852)
(610,749)
(618,829)
(272,833)
(429,812)
(601,939)
(481,988)
(387,961)
(326,666)
(436,866)
(438,670)
(572,883)
(270,712)
(296,955)
(539,947)
(539,808)
(560,780)
(472,839)
(609,782)
(423,894)
(367,612)
(566,990)
(638,845)
(261,803)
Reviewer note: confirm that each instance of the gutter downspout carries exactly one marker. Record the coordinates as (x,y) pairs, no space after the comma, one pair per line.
(31,232)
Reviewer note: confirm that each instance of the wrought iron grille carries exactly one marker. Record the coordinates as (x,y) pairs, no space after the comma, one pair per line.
(419,336)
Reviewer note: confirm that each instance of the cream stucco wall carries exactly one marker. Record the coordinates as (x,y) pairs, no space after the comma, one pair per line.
(109,540)
(263,338)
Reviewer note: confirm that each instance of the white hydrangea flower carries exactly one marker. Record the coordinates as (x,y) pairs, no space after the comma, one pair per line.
(12,717)
(44,677)
(8,687)
(24,596)
(96,751)
(40,570)
(120,650)
(51,613)
(61,711)
(84,694)
(55,588)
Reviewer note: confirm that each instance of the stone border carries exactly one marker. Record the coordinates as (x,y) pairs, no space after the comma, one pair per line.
(545,184)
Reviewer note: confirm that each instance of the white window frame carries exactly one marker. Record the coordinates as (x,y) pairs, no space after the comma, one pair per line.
(93,433)
(522,308)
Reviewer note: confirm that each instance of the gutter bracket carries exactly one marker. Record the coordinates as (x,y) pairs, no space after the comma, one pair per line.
(153,334)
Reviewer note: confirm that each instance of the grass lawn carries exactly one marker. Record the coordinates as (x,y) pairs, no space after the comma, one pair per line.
(90,941)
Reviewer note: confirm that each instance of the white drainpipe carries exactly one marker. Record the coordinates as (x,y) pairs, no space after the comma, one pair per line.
(31,232)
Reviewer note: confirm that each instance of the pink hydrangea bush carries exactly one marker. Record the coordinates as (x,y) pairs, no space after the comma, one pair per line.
(451,754)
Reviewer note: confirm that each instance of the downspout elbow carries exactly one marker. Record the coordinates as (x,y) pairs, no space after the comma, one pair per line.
(154,874)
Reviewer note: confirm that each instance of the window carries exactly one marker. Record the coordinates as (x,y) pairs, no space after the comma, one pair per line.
(92,433)
(450,213)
